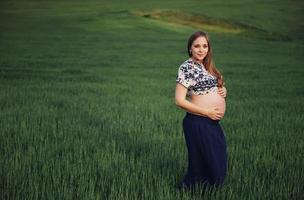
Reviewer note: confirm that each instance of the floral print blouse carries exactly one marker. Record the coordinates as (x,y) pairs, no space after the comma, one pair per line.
(196,78)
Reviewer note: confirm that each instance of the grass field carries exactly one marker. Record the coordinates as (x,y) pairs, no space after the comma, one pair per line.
(87,97)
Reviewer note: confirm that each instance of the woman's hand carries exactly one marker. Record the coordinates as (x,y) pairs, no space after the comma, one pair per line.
(214,113)
(222,91)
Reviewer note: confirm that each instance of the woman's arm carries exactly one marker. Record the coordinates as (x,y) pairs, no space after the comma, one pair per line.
(182,102)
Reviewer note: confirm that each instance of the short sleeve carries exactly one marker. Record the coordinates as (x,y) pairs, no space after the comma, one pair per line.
(184,76)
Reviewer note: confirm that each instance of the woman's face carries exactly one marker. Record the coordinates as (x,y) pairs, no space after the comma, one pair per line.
(199,49)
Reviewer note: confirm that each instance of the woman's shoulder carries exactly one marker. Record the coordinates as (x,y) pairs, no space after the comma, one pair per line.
(186,65)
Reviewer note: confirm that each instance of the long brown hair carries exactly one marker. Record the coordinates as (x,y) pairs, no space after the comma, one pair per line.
(207,61)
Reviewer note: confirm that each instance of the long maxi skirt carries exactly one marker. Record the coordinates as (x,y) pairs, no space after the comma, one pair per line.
(207,154)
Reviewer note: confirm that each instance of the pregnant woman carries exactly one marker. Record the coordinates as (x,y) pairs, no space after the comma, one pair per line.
(200,91)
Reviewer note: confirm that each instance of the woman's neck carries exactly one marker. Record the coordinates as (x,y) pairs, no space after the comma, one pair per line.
(197,61)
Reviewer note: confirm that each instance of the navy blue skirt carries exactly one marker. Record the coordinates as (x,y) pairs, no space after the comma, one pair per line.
(207,154)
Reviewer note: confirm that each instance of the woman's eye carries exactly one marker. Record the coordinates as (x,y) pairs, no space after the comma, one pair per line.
(198,46)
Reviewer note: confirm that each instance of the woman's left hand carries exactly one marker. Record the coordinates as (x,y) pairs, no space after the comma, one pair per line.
(222,91)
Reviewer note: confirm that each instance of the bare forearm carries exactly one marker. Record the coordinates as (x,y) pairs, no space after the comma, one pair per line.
(191,107)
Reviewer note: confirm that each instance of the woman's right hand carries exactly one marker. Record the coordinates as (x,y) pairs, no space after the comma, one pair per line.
(214,113)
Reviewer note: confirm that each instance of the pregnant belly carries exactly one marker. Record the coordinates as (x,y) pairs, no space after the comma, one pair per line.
(212,99)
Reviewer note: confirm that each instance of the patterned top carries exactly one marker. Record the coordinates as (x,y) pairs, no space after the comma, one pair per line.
(196,78)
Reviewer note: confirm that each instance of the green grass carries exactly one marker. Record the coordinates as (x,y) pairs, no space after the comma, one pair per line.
(87,100)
